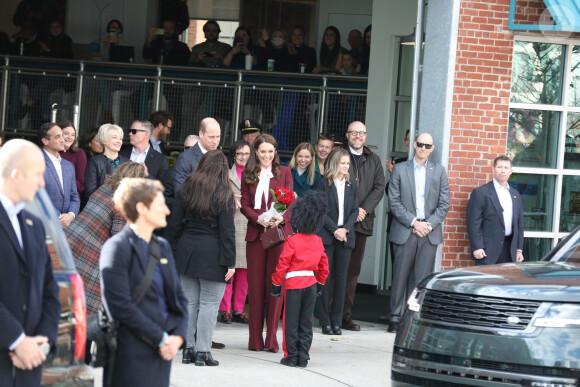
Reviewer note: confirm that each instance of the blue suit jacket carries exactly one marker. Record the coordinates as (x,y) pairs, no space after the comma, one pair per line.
(485,224)
(65,199)
(29,294)
(184,165)
(123,264)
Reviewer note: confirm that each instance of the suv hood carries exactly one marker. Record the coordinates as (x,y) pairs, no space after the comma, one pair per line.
(540,281)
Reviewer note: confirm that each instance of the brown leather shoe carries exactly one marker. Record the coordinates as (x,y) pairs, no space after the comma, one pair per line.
(350,326)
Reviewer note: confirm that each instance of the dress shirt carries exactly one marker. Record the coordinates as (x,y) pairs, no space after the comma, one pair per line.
(156,144)
(505,199)
(139,157)
(203,150)
(420,174)
(12,210)
(263,187)
(340,184)
(56,162)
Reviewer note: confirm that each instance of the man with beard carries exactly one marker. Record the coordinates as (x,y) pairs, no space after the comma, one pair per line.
(162,122)
(210,53)
(367,169)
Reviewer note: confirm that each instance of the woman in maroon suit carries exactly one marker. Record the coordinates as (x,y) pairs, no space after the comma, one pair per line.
(263,171)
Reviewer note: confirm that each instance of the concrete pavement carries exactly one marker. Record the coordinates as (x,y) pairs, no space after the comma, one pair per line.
(353,359)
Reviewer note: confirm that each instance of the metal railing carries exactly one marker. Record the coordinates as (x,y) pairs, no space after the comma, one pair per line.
(292,107)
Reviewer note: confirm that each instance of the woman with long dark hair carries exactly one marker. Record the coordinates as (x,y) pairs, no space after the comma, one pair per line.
(202,235)
(263,172)
(337,236)
(330,52)
(243,45)
(71,153)
(363,60)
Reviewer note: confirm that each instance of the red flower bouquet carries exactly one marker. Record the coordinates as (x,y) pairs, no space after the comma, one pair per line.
(283,198)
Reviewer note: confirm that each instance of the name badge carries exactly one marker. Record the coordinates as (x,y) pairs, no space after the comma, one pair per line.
(163,261)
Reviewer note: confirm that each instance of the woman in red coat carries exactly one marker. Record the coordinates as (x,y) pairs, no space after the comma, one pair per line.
(263,171)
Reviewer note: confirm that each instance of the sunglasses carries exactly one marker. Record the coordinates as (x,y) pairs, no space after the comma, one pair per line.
(134,131)
(421,145)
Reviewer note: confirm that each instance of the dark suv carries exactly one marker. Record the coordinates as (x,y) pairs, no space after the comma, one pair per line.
(64,366)
(497,325)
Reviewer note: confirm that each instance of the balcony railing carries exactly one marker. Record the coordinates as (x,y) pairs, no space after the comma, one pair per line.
(292,107)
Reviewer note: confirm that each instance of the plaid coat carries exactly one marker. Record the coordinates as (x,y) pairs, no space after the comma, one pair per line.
(86,235)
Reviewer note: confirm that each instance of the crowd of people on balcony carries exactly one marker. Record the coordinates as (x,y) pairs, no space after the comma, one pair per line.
(277,50)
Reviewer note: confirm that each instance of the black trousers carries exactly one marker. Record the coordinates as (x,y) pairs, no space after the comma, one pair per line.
(334,292)
(297,325)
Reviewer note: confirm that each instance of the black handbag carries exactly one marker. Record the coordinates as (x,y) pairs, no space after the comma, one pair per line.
(102,332)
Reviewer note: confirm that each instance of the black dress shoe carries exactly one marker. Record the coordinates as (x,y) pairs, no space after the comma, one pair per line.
(215,345)
(288,362)
(336,330)
(188,355)
(327,330)
(205,358)
(350,326)
(393,327)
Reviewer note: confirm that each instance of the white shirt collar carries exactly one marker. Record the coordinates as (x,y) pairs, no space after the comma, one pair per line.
(11,208)
(145,151)
(203,150)
(358,153)
(52,158)
(498,186)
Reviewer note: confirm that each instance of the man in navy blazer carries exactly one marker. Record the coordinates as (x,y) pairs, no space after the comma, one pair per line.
(143,152)
(29,295)
(209,139)
(59,174)
(419,201)
(495,219)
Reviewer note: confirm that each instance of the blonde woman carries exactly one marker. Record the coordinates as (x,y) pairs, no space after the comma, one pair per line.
(99,166)
(337,236)
(303,169)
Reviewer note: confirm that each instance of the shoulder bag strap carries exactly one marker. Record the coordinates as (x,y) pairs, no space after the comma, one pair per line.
(154,257)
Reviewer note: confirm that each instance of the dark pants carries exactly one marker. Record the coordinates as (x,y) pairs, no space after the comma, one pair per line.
(413,261)
(297,326)
(261,265)
(356,258)
(335,289)
(505,255)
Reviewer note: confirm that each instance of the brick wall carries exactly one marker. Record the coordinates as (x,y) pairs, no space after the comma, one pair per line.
(480,113)
(481,95)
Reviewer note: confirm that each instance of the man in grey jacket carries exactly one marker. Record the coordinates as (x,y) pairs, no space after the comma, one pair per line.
(367,169)
(419,201)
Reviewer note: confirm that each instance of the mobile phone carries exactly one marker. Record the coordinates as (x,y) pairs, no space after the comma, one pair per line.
(112,33)
(240,42)
(159,31)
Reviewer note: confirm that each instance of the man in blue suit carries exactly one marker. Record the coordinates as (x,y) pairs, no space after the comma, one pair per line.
(209,139)
(29,303)
(495,219)
(59,174)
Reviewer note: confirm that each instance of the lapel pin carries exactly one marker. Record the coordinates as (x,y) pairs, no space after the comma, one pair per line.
(29,222)
(163,261)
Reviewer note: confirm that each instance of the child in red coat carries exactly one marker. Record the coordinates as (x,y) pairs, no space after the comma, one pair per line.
(304,266)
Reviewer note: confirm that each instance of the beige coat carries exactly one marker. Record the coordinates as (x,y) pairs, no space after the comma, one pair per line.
(241,223)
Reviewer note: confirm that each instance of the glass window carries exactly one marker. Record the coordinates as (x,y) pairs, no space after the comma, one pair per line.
(537,193)
(533,138)
(536,248)
(574,97)
(572,146)
(570,207)
(537,73)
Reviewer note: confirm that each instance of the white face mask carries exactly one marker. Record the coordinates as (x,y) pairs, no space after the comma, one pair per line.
(277,41)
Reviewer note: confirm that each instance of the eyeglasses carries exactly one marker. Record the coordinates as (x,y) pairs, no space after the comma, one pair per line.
(169,127)
(355,133)
(242,154)
(421,145)
(134,131)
